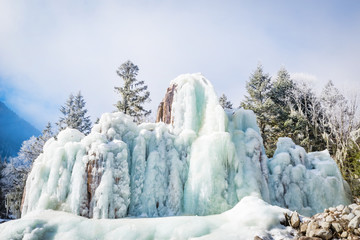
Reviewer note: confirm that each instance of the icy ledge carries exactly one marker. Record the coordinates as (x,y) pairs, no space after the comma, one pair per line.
(250,217)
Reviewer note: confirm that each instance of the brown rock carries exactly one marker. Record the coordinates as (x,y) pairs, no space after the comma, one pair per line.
(354,223)
(330,218)
(164,109)
(257,238)
(303,227)
(340,207)
(346,210)
(350,216)
(295,220)
(325,225)
(344,235)
(336,227)
(357,212)
(323,233)
(286,221)
(309,238)
(353,206)
(332,209)
(310,231)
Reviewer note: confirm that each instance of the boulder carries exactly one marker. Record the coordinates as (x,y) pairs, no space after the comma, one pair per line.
(308,238)
(295,220)
(350,216)
(330,218)
(354,223)
(346,210)
(323,233)
(332,209)
(336,227)
(357,212)
(325,225)
(303,227)
(340,208)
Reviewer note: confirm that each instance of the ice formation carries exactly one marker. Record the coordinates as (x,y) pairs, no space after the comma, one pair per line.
(203,163)
(305,182)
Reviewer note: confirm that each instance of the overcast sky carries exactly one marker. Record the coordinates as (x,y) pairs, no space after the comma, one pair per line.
(49,49)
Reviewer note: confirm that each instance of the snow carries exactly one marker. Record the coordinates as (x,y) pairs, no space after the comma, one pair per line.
(250,217)
(205,163)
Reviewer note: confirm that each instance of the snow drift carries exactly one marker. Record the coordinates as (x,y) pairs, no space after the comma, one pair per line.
(250,217)
(203,163)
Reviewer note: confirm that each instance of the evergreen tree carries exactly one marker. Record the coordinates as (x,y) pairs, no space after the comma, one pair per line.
(133,94)
(280,121)
(223,101)
(75,115)
(258,100)
(282,89)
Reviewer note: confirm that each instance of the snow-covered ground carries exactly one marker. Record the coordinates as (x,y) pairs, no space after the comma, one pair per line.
(249,218)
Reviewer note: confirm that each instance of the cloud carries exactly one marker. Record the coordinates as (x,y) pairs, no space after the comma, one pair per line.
(49,49)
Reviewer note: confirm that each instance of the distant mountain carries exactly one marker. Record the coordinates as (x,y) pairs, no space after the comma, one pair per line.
(13,131)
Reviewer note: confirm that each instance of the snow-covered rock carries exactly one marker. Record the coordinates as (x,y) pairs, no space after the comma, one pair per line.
(203,163)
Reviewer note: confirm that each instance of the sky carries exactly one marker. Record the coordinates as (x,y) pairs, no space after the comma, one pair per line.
(50,49)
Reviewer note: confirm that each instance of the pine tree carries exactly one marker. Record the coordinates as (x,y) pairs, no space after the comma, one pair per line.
(279,120)
(223,101)
(75,115)
(133,94)
(258,100)
(83,122)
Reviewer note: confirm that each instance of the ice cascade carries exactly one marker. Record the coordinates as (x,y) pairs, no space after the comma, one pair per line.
(203,163)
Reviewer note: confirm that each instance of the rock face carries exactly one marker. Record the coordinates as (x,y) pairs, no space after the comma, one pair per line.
(334,223)
(164,109)
(94,175)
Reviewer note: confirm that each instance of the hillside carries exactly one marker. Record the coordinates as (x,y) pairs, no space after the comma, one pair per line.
(13,131)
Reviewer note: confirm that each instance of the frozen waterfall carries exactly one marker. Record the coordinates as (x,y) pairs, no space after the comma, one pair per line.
(203,163)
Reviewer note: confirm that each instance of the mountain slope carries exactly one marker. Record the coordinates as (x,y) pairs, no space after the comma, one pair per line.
(13,131)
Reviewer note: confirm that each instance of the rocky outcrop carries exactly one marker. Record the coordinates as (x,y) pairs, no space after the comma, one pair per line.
(341,222)
(164,109)
(94,174)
